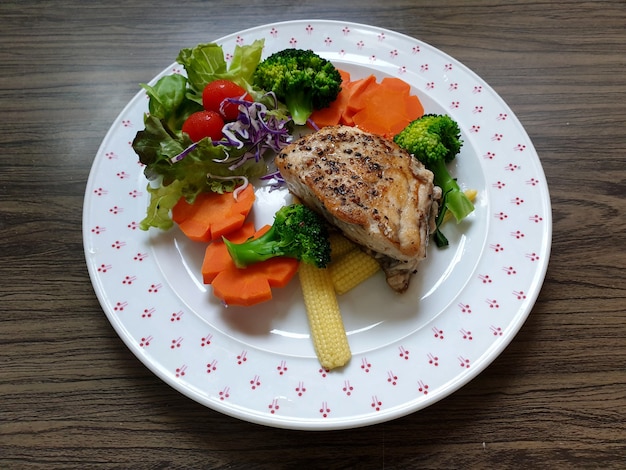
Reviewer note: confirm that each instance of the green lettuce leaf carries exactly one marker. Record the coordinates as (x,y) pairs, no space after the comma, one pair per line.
(244,62)
(162,200)
(171,100)
(188,177)
(154,143)
(166,95)
(206,63)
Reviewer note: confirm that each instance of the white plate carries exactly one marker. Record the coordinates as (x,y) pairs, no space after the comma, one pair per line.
(409,351)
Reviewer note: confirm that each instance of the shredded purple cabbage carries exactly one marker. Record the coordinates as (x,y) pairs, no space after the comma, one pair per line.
(312,124)
(279,181)
(184,153)
(257,129)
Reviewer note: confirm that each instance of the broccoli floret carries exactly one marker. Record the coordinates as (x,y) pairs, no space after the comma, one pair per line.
(303,80)
(297,232)
(435,140)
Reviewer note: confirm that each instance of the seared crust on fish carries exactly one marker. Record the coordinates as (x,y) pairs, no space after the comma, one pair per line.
(373,191)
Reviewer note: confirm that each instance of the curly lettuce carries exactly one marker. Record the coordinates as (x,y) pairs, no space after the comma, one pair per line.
(205,63)
(174,165)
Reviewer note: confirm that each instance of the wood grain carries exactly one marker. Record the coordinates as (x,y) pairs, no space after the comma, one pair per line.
(73,396)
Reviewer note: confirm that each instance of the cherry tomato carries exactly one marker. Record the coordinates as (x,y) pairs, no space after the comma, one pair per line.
(204,124)
(217,91)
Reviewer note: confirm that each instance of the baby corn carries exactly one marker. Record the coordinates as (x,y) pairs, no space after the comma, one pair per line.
(326,325)
(351,269)
(340,245)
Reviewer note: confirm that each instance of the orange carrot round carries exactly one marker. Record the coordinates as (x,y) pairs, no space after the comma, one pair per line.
(216,256)
(382,108)
(213,215)
(246,286)
(388,109)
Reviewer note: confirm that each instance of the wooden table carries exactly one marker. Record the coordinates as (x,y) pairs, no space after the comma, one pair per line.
(73,396)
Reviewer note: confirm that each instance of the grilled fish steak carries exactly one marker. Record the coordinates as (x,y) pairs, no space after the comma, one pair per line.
(373,191)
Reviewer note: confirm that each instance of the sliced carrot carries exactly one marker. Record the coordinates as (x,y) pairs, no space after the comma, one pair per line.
(359,91)
(216,256)
(213,215)
(247,286)
(183,210)
(395,83)
(383,108)
(388,109)
(386,122)
(331,115)
(414,108)
(253,285)
(279,271)
(368,120)
(234,289)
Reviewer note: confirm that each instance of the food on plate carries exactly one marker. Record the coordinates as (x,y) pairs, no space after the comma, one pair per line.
(325,323)
(471,195)
(297,232)
(222,95)
(340,245)
(223,123)
(249,286)
(435,140)
(373,191)
(301,79)
(382,108)
(213,215)
(351,269)
(177,166)
(331,115)
(349,265)
(387,107)
(204,124)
